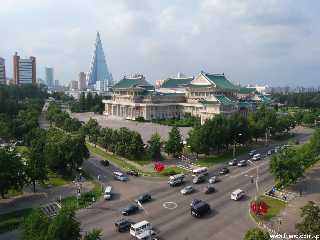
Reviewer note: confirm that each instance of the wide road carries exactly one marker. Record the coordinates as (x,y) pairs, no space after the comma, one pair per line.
(228,220)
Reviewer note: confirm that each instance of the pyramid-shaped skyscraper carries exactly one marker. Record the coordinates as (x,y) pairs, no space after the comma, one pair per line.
(99,78)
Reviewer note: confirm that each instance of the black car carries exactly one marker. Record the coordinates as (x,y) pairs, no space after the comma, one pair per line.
(199,179)
(133,173)
(105,162)
(143,198)
(224,171)
(209,189)
(200,208)
(130,209)
(194,202)
(123,225)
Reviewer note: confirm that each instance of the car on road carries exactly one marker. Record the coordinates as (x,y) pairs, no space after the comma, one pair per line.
(213,179)
(237,194)
(107,193)
(233,162)
(176,180)
(224,171)
(133,172)
(252,152)
(143,198)
(194,202)
(199,179)
(187,190)
(256,157)
(120,176)
(105,163)
(123,225)
(242,163)
(209,189)
(130,209)
(269,152)
(200,209)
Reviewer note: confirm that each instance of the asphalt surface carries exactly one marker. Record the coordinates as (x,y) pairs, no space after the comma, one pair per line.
(229,219)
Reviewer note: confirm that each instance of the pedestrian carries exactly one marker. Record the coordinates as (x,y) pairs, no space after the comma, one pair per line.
(98,177)
(252,181)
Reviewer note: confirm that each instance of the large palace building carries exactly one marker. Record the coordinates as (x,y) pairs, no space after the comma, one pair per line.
(204,96)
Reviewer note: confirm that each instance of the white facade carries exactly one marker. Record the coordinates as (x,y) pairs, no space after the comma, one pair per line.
(2,71)
(25,71)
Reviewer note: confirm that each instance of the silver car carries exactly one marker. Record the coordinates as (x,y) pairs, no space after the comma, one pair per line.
(187,190)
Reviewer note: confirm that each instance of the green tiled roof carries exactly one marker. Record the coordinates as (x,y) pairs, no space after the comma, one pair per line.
(224,100)
(264,99)
(221,82)
(176,82)
(133,82)
(245,90)
(198,86)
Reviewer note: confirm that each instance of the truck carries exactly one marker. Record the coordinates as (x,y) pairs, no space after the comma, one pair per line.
(142,230)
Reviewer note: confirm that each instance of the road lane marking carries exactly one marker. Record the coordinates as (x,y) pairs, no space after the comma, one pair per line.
(170,205)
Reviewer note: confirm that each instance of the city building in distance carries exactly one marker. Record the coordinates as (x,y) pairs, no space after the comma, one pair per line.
(3,78)
(204,96)
(74,85)
(82,81)
(24,70)
(99,78)
(49,77)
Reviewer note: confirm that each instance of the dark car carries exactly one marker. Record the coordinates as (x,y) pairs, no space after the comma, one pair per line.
(123,225)
(105,162)
(252,152)
(224,171)
(130,209)
(133,173)
(200,208)
(194,202)
(143,198)
(199,179)
(209,189)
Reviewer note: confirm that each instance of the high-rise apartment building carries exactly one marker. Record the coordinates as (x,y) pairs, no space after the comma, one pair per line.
(49,77)
(82,81)
(24,70)
(74,85)
(2,71)
(56,83)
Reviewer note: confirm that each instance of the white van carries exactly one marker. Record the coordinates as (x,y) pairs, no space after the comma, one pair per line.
(176,180)
(120,176)
(237,194)
(141,230)
(107,193)
(202,170)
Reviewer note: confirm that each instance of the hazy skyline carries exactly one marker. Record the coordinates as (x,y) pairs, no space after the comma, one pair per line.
(263,41)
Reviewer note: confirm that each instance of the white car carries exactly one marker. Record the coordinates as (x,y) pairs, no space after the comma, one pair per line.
(242,163)
(213,180)
(186,190)
(237,194)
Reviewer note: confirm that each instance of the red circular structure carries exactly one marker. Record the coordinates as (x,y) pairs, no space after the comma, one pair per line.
(159,167)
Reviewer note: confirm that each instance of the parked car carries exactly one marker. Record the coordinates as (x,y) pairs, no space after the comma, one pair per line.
(130,209)
(224,171)
(200,208)
(242,163)
(213,179)
(133,172)
(209,189)
(187,190)
(123,225)
(199,179)
(143,198)
(105,163)
(233,162)
(252,152)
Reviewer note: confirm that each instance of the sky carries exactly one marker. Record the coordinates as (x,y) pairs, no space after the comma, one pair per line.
(273,42)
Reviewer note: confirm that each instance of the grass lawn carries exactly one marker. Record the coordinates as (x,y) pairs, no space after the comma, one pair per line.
(12,220)
(56,180)
(275,207)
(210,161)
(86,198)
(169,171)
(112,158)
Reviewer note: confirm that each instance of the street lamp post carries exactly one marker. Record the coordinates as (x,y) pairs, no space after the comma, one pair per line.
(257,179)
(267,133)
(234,145)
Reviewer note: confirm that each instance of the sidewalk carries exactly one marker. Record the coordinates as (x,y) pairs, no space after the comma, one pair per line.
(29,200)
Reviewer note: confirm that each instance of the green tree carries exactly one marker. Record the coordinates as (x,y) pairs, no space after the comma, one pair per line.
(174,144)
(64,226)
(197,140)
(154,147)
(256,234)
(94,234)
(82,102)
(311,219)
(12,174)
(35,226)
(286,167)
(92,129)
